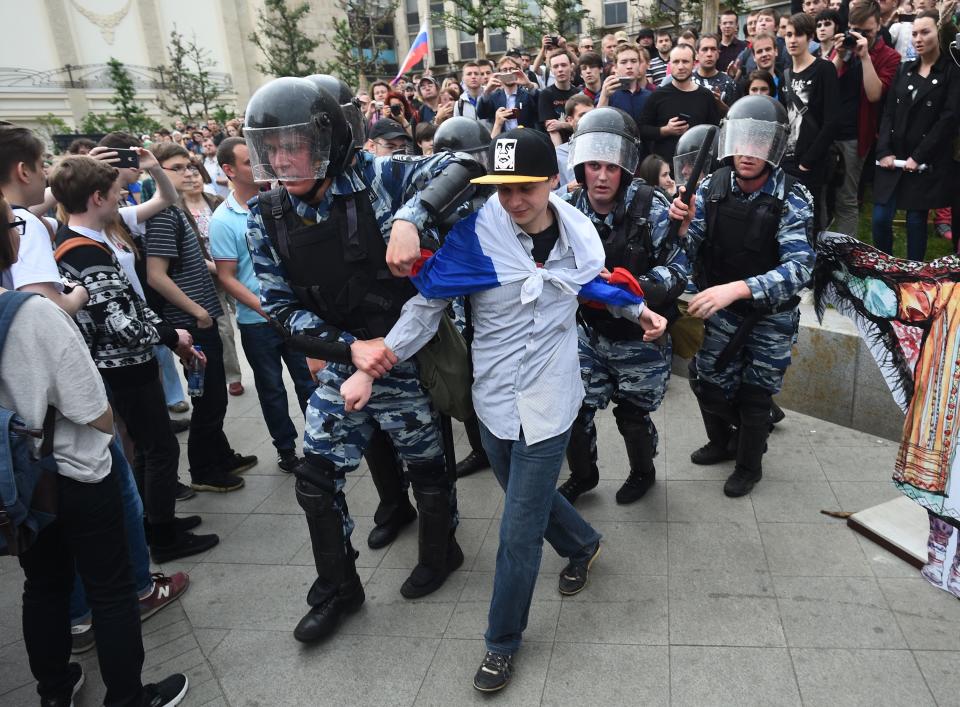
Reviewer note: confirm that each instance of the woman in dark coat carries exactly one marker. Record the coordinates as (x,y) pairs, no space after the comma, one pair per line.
(919,126)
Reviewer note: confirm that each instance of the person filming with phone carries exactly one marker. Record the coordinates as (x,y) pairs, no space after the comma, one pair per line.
(626,88)
(502,92)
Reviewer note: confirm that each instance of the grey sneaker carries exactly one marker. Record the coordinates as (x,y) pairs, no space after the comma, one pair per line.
(83,638)
(494,672)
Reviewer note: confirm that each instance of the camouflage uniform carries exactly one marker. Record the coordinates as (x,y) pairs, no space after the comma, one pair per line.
(398,403)
(633,373)
(765,355)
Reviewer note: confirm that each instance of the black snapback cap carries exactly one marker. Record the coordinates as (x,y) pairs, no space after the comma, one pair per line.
(520,155)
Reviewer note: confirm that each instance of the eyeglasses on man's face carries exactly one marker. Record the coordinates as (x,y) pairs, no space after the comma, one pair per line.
(181,168)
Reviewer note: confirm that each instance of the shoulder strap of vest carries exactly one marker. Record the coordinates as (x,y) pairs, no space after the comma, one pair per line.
(642,201)
(274,206)
(77,242)
(719,190)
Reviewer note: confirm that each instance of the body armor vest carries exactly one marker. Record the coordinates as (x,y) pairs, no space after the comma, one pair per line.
(337,268)
(627,244)
(741,237)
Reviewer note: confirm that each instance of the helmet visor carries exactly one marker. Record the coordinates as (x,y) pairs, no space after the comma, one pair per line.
(748,137)
(683,167)
(288,153)
(604,147)
(351,111)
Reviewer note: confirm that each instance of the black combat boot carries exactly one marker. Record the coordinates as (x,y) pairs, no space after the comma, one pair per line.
(754,404)
(476,460)
(581,459)
(640,438)
(439,552)
(719,416)
(394,511)
(337,590)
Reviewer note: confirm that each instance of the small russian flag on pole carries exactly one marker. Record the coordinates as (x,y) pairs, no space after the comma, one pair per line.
(418,50)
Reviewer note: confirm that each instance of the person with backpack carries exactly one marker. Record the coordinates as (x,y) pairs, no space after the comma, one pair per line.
(615,361)
(47,375)
(120,330)
(748,235)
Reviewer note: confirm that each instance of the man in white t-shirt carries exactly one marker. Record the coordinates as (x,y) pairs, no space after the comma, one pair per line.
(219,184)
(22,183)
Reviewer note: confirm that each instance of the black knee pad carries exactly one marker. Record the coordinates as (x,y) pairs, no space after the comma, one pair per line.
(315,486)
(693,376)
(628,412)
(712,400)
(754,404)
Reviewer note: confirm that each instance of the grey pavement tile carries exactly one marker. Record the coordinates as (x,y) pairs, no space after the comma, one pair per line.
(821,433)
(678,467)
(716,548)
(226,596)
(704,502)
(269,668)
(883,562)
(478,496)
(608,675)
(704,676)
(449,681)
(282,499)
(929,617)
(857,463)
(623,609)
(836,612)
(209,638)
(724,610)
(600,504)
(256,489)
(813,550)
(27,695)
(403,552)
(789,458)
(627,548)
(939,669)
(14,669)
(11,601)
(479,587)
(843,676)
(793,502)
(261,539)
(858,495)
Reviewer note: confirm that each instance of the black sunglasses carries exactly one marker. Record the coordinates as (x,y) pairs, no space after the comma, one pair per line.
(19,224)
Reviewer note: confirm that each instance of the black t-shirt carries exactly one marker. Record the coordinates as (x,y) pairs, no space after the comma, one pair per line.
(544,241)
(849,100)
(551,101)
(667,102)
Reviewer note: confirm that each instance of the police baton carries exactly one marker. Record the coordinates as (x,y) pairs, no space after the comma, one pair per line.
(698,166)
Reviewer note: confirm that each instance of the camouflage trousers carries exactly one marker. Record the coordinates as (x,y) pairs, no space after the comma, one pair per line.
(763,359)
(633,374)
(401,408)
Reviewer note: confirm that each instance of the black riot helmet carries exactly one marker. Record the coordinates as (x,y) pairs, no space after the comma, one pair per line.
(688,147)
(755,126)
(348,104)
(296,131)
(461,134)
(605,135)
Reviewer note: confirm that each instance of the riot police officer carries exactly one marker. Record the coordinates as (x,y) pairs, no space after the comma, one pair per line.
(318,248)
(469,136)
(615,362)
(394,510)
(749,239)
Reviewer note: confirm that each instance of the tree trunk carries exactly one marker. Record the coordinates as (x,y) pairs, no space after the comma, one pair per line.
(481,47)
(711,10)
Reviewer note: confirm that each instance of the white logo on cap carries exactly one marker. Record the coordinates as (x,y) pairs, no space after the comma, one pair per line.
(505,157)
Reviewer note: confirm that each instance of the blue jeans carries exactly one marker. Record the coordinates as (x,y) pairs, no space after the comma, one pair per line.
(916,229)
(133,524)
(533,511)
(172,387)
(265,350)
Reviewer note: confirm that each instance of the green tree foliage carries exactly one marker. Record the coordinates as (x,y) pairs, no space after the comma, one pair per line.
(674,14)
(49,125)
(476,17)
(285,46)
(356,39)
(94,123)
(191,94)
(130,115)
(563,17)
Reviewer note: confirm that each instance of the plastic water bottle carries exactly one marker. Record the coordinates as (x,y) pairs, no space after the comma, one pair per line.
(195,375)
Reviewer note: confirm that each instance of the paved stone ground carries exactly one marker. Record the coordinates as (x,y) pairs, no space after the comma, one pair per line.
(696,600)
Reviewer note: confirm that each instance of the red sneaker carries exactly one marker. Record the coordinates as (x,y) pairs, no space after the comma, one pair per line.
(165,591)
(235,388)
